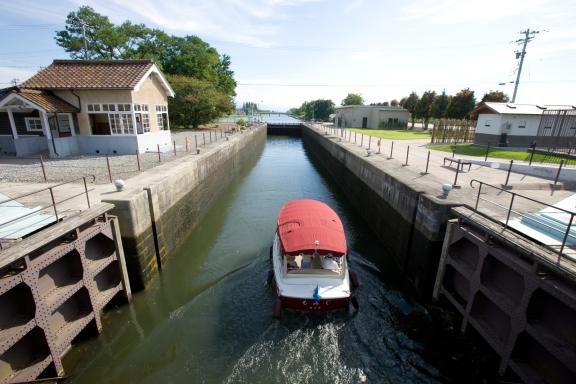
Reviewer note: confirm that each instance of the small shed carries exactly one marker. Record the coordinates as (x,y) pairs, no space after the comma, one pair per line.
(371,117)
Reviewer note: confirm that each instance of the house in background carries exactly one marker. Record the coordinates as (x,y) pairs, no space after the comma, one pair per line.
(521,125)
(372,117)
(78,107)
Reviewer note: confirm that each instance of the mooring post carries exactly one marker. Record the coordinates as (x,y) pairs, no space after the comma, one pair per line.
(453,153)
(407,153)
(174,147)
(558,173)
(109,171)
(203,138)
(43,169)
(159,156)
(138,160)
(186,142)
(508,173)
(391,150)
(487,151)
(369,141)
(362,140)
(427,162)
(354,137)
(195,141)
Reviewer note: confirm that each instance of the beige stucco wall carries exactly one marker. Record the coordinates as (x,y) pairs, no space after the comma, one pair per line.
(152,93)
(351,117)
(111,96)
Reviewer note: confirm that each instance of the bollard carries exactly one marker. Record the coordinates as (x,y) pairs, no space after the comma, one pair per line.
(159,156)
(195,141)
(391,150)
(203,138)
(427,162)
(354,137)
(369,141)
(109,170)
(362,140)
(174,147)
(508,173)
(453,153)
(138,160)
(186,141)
(379,143)
(558,173)
(407,153)
(487,151)
(221,133)
(43,169)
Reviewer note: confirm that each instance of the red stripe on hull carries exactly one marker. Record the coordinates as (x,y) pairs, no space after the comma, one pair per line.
(310,305)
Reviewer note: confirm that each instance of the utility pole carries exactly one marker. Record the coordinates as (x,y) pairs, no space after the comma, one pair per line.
(84,37)
(528,36)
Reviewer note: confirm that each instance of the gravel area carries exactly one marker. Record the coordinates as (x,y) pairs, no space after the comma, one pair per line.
(28,170)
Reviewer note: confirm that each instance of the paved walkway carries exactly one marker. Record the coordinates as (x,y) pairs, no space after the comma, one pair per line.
(412,173)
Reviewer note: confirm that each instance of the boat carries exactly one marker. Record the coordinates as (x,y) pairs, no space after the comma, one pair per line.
(309,259)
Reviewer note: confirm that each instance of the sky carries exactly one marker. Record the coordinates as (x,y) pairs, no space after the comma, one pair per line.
(285,52)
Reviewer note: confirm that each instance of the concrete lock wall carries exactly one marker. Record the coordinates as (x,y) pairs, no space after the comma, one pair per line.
(409,223)
(159,209)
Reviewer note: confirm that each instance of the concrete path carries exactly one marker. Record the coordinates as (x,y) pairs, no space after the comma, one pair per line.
(492,201)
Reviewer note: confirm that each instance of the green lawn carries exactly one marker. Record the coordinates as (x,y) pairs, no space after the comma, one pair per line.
(501,153)
(392,134)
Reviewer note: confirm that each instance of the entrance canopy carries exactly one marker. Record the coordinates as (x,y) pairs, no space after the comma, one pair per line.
(305,226)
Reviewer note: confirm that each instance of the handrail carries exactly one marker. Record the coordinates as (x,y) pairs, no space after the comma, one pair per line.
(517,194)
(51,187)
(54,202)
(510,210)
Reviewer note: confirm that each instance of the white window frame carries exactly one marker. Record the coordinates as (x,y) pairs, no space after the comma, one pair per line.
(29,128)
(162,117)
(144,111)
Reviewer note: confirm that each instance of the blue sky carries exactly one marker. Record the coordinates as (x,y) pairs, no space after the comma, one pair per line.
(287,51)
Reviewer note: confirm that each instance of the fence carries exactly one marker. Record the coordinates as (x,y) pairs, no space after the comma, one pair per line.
(451,131)
(107,167)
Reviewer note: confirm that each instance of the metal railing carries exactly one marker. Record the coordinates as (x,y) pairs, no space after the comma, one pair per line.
(54,202)
(509,209)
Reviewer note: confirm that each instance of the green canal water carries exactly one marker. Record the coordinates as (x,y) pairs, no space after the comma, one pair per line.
(207,318)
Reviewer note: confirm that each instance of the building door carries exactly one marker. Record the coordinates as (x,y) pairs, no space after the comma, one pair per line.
(364,122)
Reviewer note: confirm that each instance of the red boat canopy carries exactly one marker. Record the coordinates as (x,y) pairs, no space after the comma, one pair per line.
(302,223)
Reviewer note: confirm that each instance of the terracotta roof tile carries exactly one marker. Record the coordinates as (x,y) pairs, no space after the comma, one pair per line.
(90,74)
(45,100)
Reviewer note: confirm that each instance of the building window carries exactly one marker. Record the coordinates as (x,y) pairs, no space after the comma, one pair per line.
(120,123)
(522,124)
(33,124)
(64,123)
(488,123)
(162,117)
(142,118)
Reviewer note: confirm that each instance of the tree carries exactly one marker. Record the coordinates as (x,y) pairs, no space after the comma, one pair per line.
(440,105)
(320,109)
(249,107)
(410,104)
(461,104)
(394,103)
(423,108)
(495,96)
(187,56)
(197,101)
(353,99)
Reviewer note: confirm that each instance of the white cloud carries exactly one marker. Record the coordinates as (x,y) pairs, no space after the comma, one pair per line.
(238,21)
(464,11)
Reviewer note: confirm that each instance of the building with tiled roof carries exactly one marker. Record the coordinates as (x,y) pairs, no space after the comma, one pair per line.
(87,107)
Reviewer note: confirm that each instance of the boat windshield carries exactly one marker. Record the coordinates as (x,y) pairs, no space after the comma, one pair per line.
(314,264)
